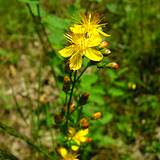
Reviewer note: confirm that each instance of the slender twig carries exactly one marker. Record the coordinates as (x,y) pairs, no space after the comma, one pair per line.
(70,99)
(43,28)
(79,114)
(37,23)
(37,28)
(66,97)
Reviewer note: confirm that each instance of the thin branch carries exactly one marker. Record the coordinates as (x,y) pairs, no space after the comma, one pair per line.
(70,100)
(36,28)
(43,28)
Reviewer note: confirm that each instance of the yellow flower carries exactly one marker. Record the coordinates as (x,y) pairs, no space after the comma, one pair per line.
(90,24)
(67,155)
(78,137)
(81,46)
(97,115)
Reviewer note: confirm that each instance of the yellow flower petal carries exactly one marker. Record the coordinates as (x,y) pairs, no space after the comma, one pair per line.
(80,136)
(83,132)
(66,155)
(94,40)
(75,62)
(75,148)
(77,29)
(62,151)
(93,54)
(102,33)
(71,131)
(67,51)
(83,139)
(77,140)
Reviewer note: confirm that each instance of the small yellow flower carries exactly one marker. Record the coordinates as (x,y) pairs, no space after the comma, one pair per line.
(81,46)
(90,24)
(78,137)
(67,155)
(71,131)
(97,115)
(84,37)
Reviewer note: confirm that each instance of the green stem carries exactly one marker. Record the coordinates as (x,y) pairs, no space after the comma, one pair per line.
(82,72)
(66,97)
(79,115)
(37,28)
(36,22)
(43,29)
(41,32)
(70,99)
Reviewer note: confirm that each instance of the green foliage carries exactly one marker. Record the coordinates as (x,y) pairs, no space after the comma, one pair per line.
(57,27)
(8,57)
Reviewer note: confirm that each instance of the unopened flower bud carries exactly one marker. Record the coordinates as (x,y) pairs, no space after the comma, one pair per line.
(84,98)
(58,118)
(113,65)
(104,44)
(84,123)
(97,115)
(67,68)
(106,52)
(89,140)
(66,84)
(71,107)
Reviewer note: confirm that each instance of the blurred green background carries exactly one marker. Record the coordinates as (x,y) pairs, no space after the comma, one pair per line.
(129,97)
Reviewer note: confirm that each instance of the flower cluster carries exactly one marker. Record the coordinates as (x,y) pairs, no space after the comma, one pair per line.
(84,38)
(76,138)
